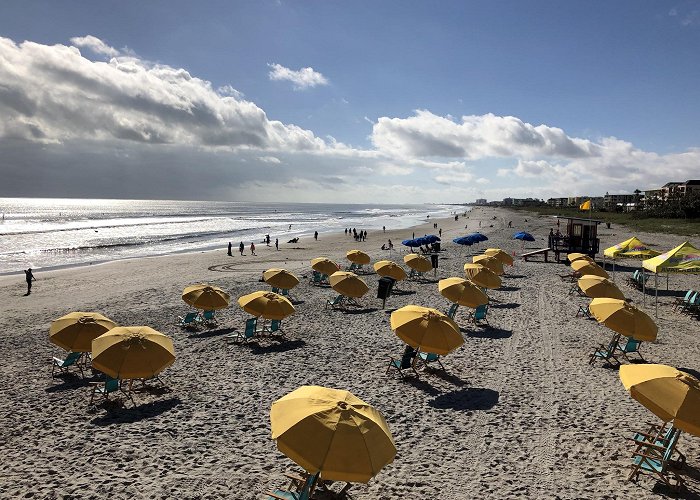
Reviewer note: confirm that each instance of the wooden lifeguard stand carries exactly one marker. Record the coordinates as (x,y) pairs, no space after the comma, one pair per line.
(579,235)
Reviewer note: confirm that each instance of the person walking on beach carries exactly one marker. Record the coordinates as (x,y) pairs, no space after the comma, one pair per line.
(267,240)
(229,249)
(316,235)
(30,277)
(241,247)
(252,248)
(277,244)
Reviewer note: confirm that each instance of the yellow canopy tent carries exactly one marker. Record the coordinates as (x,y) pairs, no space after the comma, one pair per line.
(632,247)
(685,258)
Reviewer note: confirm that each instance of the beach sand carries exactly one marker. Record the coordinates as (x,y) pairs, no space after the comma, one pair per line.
(519,414)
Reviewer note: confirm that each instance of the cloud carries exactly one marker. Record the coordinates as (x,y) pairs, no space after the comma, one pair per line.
(94,44)
(302,79)
(269,159)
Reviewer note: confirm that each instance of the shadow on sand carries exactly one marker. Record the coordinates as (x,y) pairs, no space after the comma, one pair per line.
(466,399)
(511,305)
(120,415)
(282,346)
(211,333)
(488,333)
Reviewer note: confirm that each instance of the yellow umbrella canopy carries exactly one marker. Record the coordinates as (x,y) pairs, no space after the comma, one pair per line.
(597,286)
(332,431)
(75,331)
(348,284)
(324,265)
(426,329)
(417,262)
(206,297)
(624,318)
(482,276)
(501,255)
(462,292)
(670,394)
(267,305)
(632,247)
(358,257)
(280,278)
(390,269)
(584,267)
(573,257)
(127,352)
(495,265)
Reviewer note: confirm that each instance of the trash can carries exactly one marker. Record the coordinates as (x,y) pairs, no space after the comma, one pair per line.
(434,260)
(385,286)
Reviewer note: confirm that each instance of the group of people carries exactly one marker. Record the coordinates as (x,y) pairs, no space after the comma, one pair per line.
(389,246)
(241,246)
(361,236)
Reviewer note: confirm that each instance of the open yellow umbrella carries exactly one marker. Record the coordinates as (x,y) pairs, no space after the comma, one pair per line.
(418,262)
(495,265)
(75,331)
(501,255)
(584,267)
(348,284)
(127,352)
(267,305)
(206,297)
(670,394)
(624,318)
(426,329)
(462,292)
(358,257)
(573,257)
(324,265)
(390,269)
(280,278)
(482,276)
(332,431)
(597,286)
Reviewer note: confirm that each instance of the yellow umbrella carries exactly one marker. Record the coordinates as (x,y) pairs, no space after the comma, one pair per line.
(573,257)
(206,297)
(501,255)
(267,305)
(280,278)
(584,267)
(462,292)
(495,265)
(597,286)
(418,262)
(324,265)
(670,394)
(426,329)
(390,269)
(624,318)
(358,257)
(75,331)
(348,284)
(127,352)
(332,431)
(482,276)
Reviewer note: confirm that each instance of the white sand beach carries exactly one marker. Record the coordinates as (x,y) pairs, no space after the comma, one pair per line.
(520,413)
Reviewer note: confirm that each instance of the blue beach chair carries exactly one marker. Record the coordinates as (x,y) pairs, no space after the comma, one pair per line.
(406,362)
(251,328)
(304,493)
(631,347)
(681,302)
(64,365)
(607,353)
(189,320)
(107,387)
(452,311)
(208,318)
(655,456)
(425,358)
(479,314)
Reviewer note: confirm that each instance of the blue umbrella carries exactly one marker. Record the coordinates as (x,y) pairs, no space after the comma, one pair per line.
(431,238)
(478,237)
(465,240)
(410,243)
(522,235)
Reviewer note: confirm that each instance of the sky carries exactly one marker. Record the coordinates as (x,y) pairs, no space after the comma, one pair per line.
(335,101)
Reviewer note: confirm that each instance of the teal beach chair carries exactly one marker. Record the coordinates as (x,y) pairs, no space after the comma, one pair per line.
(336,302)
(64,365)
(189,320)
(654,456)
(452,311)
(607,353)
(304,493)
(479,314)
(106,388)
(251,328)
(425,358)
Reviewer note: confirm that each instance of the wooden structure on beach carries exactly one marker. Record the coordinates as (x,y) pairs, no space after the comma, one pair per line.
(578,235)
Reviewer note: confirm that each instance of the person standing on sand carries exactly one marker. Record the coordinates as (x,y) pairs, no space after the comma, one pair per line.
(252,248)
(316,235)
(30,277)
(277,244)
(241,248)
(229,249)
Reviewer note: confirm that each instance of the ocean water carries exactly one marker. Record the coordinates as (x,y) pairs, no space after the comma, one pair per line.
(46,233)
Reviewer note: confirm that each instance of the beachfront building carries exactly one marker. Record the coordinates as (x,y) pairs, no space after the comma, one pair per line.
(526,202)
(507,202)
(481,201)
(613,202)
(558,202)
(672,190)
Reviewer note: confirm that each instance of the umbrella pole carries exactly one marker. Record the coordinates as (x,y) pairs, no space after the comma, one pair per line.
(667,281)
(656,295)
(644,289)
(613,270)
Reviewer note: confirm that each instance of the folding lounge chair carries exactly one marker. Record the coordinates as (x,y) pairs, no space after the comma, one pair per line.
(405,363)
(208,318)
(316,278)
(301,494)
(425,358)
(583,312)
(632,280)
(680,302)
(656,458)
(188,320)
(275,289)
(64,365)
(336,302)
(692,304)
(479,314)
(607,353)
(251,325)
(631,347)
(452,311)
(352,267)
(107,387)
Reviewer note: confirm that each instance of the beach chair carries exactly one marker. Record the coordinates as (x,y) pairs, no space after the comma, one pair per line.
(679,302)
(406,362)
(692,304)
(352,267)
(452,311)
(107,387)
(208,318)
(64,365)
(632,280)
(569,278)
(275,289)
(607,353)
(425,358)
(583,312)
(275,328)
(631,347)
(316,278)
(190,319)
(293,492)
(336,302)
(413,274)
(575,289)
(251,326)
(654,456)
(479,314)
